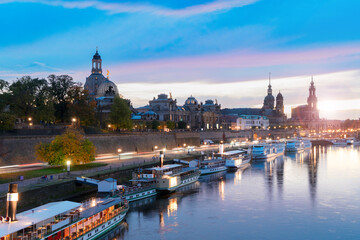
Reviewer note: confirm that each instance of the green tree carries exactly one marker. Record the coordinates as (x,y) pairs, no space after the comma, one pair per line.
(59,89)
(4,95)
(155,125)
(23,95)
(170,124)
(120,113)
(80,105)
(7,121)
(182,125)
(71,145)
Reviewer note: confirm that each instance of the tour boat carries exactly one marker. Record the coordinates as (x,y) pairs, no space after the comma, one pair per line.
(263,151)
(297,145)
(212,165)
(65,220)
(339,142)
(168,177)
(236,158)
(134,193)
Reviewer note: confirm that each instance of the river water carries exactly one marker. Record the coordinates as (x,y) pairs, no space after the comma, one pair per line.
(309,195)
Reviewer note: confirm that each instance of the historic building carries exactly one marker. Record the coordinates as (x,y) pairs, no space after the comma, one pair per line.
(196,115)
(274,113)
(308,112)
(100,88)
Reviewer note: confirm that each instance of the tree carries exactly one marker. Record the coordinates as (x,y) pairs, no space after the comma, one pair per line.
(155,125)
(80,105)
(59,88)
(4,95)
(120,114)
(7,121)
(170,124)
(23,95)
(69,146)
(182,125)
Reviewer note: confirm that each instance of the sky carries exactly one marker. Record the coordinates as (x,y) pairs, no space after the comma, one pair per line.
(209,49)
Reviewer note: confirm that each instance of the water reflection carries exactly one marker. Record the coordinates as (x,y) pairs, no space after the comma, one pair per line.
(308,195)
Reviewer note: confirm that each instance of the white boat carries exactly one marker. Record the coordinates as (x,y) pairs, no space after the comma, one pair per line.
(169,177)
(208,166)
(263,151)
(297,145)
(339,142)
(236,158)
(66,220)
(134,193)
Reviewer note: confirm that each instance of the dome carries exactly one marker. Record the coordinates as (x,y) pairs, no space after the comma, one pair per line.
(279,96)
(191,101)
(107,88)
(269,98)
(96,55)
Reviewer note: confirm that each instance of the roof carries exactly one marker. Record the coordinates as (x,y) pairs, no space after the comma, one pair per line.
(104,204)
(109,180)
(41,213)
(165,167)
(229,153)
(252,117)
(242,111)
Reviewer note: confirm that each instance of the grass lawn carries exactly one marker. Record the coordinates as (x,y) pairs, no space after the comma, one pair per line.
(9,177)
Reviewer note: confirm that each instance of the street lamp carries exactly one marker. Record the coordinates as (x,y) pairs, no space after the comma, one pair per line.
(29,119)
(119,151)
(68,166)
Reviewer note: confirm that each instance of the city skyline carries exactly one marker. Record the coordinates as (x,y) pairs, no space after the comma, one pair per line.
(208,49)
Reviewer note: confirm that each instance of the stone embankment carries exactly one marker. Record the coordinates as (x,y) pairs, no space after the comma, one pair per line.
(21,149)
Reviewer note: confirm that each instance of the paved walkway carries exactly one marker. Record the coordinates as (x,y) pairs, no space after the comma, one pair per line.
(114,164)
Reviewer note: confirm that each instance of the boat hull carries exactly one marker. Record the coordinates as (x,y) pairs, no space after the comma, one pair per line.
(183,183)
(140,195)
(206,171)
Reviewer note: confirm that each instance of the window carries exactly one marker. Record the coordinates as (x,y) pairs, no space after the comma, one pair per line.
(89,235)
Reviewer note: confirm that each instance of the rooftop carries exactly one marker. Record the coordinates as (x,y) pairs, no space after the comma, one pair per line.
(36,215)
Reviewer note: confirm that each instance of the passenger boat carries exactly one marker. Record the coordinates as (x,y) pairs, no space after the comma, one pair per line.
(212,165)
(236,158)
(66,220)
(169,177)
(263,151)
(134,193)
(339,142)
(297,145)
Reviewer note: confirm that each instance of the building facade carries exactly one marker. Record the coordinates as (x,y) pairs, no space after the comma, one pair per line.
(196,115)
(246,122)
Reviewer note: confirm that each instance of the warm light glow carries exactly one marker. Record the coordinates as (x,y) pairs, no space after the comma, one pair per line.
(29,119)
(109,125)
(119,150)
(73,119)
(156,147)
(68,162)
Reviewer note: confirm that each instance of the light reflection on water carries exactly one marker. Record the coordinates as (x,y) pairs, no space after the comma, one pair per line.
(309,195)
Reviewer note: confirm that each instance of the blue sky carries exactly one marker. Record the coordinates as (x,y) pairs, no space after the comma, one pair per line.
(210,49)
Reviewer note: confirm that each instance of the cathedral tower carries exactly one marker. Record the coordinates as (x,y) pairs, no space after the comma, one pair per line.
(279,104)
(312,99)
(269,100)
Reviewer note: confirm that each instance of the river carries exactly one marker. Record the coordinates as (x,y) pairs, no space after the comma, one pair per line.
(309,195)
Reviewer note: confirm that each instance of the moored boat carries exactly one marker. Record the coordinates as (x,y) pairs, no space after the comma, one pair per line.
(65,220)
(267,151)
(236,158)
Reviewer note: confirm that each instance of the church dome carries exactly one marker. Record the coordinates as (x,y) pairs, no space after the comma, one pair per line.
(279,96)
(269,98)
(191,101)
(107,88)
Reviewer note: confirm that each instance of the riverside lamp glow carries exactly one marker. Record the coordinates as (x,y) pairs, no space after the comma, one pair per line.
(119,151)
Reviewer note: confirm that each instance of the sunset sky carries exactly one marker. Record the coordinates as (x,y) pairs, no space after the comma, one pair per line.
(221,50)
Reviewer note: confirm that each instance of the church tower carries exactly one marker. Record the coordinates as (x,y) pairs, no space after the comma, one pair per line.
(313,113)
(312,99)
(96,77)
(269,100)
(279,104)
(96,63)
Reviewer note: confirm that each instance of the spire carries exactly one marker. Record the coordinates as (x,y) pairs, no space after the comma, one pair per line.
(312,80)
(107,74)
(97,49)
(270,79)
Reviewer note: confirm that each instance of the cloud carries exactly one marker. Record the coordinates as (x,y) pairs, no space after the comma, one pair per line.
(236,65)
(115,8)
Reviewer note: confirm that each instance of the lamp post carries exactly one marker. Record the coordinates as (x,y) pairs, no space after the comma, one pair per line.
(119,151)
(68,166)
